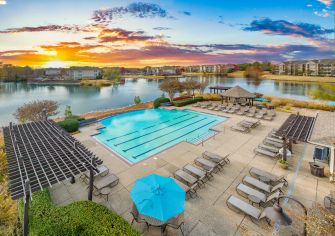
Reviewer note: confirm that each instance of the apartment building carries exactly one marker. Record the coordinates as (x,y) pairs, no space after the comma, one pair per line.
(77,73)
(321,67)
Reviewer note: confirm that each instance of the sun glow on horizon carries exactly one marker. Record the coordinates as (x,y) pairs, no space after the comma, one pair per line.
(56,64)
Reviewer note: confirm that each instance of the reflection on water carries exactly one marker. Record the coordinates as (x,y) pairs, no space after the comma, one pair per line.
(84,99)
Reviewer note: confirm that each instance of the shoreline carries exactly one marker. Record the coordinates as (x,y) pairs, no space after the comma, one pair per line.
(296,78)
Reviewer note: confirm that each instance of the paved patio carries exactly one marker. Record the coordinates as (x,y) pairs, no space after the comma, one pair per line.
(208,214)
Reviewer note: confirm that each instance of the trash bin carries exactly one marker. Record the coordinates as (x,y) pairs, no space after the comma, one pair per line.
(316,169)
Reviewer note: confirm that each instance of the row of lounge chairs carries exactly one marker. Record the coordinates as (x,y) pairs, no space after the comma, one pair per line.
(270,146)
(264,194)
(192,177)
(245,126)
(103,181)
(263,113)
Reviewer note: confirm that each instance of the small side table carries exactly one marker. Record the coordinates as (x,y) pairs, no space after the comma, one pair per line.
(254,199)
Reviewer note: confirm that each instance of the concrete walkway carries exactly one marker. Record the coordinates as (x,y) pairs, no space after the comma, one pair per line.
(208,214)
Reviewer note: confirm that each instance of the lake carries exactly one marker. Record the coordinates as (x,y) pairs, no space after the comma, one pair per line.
(85,99)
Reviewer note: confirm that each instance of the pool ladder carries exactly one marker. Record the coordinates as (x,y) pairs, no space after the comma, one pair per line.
(202,138)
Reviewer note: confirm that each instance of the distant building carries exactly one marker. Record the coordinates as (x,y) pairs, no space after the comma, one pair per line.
(321,67)
(77,73)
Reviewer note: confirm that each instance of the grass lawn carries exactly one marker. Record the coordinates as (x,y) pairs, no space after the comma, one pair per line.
(299,78)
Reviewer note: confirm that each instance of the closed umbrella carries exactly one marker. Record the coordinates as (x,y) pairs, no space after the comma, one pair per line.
(158,197)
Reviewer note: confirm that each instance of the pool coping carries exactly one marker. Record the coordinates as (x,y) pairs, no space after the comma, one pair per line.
(151,156)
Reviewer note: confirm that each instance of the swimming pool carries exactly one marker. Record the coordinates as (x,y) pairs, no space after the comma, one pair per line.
(137,135)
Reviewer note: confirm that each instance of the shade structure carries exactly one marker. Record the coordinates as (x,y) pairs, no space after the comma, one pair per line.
(158,197)
(238,92)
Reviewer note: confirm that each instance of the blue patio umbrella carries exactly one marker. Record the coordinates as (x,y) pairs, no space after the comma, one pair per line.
(331,103)
(158,197)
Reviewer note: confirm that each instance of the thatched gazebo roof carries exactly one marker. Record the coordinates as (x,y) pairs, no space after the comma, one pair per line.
(238,92)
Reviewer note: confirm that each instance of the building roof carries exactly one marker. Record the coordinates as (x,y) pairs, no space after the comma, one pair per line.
(296,127)
(238,92)
(43,154)
(324,129)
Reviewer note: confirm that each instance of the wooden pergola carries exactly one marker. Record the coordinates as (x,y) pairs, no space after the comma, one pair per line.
(41,154)
(296,127)
(218,89)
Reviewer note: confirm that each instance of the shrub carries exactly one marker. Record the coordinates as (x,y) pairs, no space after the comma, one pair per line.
(68,112)
(158,101)
(79,218)
(70,125)
(181,98)
(137,100)
(211,97)
(187,101)
(75,117)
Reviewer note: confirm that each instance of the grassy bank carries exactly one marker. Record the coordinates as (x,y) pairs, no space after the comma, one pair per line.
(98,83)
(299,78)
(236,74)
(287,103)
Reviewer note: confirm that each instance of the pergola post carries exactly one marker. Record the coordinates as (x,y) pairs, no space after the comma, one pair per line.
(284,149)
(26,208)
(91,180)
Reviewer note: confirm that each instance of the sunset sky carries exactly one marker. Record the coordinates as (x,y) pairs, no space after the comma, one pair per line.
(65,33)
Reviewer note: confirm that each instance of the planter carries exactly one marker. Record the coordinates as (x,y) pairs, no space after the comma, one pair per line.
(283,165)
(316,169)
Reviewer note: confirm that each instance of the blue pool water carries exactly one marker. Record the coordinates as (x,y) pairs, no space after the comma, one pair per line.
(139,134)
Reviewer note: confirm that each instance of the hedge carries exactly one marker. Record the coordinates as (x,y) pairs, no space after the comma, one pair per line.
(158,101)
(78,218)
(187,101)
(181,98)
(70,125)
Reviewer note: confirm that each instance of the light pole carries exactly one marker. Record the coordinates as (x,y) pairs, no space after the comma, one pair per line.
(277,215)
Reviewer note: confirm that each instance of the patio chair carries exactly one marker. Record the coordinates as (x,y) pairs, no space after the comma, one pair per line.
(265,152)
(227,108)
(274,179)
(251,113)
(221,160)
(251,181)
(136,216)
(242,206)
(176,223)
(277,140)
(252,194)
(109,180)
(268,148)
(272,113)
(271,143)
(196,104)
(191,181)
(102,171)
(196,172)
(240,129)
(189,191)
(259,115)
(207,165)
(267,117)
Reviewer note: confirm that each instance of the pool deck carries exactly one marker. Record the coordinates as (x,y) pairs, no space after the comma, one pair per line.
(207,214)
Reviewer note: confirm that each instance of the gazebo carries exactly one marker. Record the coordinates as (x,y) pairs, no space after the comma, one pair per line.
(238,93)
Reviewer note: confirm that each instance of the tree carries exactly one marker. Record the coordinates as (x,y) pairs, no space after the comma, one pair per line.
(137,100)
(68,112)
(190,86)
(202,86)
(171,87)
(253,72)
(111,74)
(36,111)
(99,76)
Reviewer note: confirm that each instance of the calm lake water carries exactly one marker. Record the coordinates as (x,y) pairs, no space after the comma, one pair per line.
(85,99)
